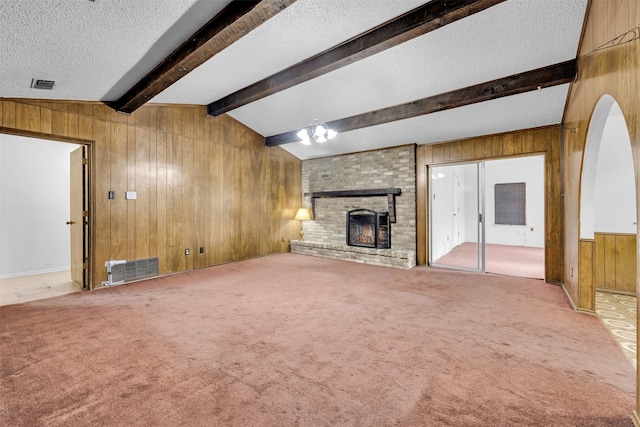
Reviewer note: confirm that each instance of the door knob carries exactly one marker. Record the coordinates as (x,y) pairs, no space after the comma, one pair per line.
(70,222)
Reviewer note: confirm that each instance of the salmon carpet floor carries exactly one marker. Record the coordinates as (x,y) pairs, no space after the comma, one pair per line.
(520,261)
(293,340)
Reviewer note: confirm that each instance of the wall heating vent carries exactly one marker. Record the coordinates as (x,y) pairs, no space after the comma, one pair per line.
(42,84)
(119,272)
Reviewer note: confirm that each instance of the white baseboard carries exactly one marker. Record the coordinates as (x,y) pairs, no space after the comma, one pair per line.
(33,273)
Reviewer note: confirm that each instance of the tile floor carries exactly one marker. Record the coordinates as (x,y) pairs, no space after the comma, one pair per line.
(619,314)
(30,288)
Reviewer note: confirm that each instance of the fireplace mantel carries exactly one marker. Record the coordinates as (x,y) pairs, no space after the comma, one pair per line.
(391,194)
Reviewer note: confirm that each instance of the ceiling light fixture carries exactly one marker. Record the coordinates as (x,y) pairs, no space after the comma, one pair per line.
(319,132)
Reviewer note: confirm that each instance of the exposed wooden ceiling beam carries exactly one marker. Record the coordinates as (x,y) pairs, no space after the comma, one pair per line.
(426,18)
(549,76)
(232,23)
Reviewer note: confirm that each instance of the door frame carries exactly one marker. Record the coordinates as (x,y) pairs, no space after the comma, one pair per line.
(481,212)
(586,276)
(481,201)
(89,249)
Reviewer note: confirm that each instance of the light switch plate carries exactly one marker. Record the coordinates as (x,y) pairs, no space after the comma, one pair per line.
(131,195)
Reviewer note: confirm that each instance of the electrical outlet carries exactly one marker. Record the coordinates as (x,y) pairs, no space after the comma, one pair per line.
(187,252)
(201,249)
(571,271)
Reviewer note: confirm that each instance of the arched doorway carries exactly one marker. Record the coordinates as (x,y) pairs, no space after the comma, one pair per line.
(608,223)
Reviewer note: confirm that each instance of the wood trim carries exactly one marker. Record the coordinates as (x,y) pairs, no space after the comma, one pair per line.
(43,135)
(391,194)
(356,193)
(635,418)
(578,50)
(544,77)
(587,274)
(568,297)
(542,140)
(91,196)
(417,22)
(611,234)
(227,27)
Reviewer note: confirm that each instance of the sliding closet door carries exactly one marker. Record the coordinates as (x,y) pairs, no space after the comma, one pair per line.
(455,221)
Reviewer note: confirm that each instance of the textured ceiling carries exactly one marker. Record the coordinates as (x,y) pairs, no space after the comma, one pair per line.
(523,111)
(96,51)
(464,53)
(92,50)
(304,29)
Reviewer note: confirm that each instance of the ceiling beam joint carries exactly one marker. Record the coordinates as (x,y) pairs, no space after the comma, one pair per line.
(426,18)
(236,20)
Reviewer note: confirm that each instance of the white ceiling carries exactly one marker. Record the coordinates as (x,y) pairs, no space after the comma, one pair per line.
(97,51)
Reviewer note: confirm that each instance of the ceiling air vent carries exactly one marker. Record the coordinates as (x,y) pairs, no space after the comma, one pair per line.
(42,84)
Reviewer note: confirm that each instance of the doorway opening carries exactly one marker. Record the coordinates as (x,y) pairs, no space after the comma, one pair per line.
(44,209)
(488,216)
(608,221)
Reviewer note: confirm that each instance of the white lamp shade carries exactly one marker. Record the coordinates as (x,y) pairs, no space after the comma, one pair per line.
(318,132)
(304,137)
(303,215)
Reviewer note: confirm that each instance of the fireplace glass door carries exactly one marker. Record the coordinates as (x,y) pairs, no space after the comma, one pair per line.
(455,206)
(368,229)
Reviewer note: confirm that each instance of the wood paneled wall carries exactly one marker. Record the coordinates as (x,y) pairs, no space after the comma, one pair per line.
(615,262)
(614,70)
(200,181)
(586,269)
(602,69)
(545,140)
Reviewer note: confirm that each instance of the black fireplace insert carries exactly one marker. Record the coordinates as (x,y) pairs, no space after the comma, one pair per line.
(368,228)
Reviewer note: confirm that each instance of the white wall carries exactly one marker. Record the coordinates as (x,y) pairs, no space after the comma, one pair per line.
(469,193)
(615,193)
(34,206)
(529,170)
(441,207)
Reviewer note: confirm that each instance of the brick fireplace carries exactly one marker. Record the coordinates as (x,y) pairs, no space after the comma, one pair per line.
(326,235)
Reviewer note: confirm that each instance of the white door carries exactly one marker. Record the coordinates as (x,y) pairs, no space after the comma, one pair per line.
(78,218)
